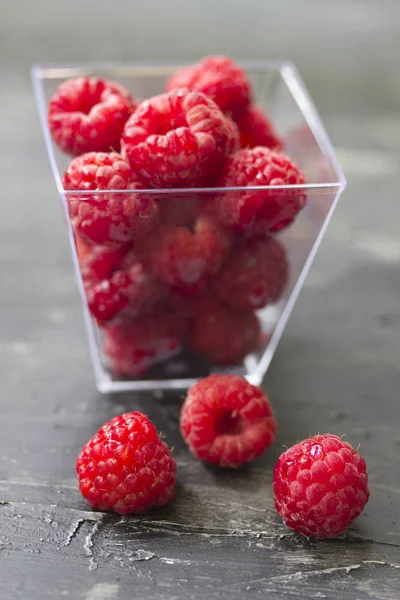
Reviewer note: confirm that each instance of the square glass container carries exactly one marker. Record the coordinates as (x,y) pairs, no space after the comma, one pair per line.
(279,90)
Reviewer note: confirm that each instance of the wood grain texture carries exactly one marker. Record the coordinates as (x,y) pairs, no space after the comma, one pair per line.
(337,367)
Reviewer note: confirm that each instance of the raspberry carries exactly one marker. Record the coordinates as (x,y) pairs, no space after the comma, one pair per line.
(88,114)
(227,421)
(254,275)
(253,211)
(133,346)
(220,78)
(118,284)
(178,139)
(107,218)
(125,467)
(256,129)
(221,333)
(184,259)
(320,486)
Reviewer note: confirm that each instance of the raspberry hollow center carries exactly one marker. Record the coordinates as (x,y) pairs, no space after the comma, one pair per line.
(229,423)
(87,101)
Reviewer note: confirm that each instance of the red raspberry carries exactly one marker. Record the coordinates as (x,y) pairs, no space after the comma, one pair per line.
(253,211)
(88,114)
(133,346)
(184,259)
(320,486)
(221,333)
(256,129)
(108,218)
(178,139)
(254,275)
(117,284)
(126,467)
(227,421)
(220,78)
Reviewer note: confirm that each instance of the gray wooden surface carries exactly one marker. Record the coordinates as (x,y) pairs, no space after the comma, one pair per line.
(336,369)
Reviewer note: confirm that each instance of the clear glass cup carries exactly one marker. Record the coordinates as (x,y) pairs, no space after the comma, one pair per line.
(279,90)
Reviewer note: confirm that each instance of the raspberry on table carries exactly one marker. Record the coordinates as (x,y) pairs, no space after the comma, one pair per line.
(133,346)
(108,218)
(223,334)
(117,284)
(251,212)
(320,486)
(184,260)
(178,139)
(255,274)
(88,114)
(220,78)
(125,467)
(256,129)
(227,421)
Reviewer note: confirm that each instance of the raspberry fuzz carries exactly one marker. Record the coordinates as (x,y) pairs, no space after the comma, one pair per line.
(320,486)
(88,114)
(227,421)
(220,78)
(178,139)
(107,218)
(254,275)
(126,467)
(255,211)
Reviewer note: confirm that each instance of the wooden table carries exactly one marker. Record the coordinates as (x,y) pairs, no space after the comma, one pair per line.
(337,368)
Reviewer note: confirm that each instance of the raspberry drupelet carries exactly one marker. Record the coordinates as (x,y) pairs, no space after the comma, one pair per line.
(320,486)
(88,114)
(178,139)
(108,218)
(126,467)
(227,421)
(220,78)
(259,211)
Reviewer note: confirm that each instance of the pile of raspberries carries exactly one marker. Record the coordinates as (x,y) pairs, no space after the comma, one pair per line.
(167,260)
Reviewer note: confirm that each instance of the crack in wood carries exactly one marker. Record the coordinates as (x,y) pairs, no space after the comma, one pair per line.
(40,484)
(185,529)
(88,543)
(353,537)
(299,575)
(238,505)
(74,530)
